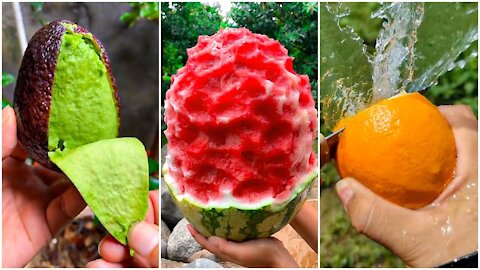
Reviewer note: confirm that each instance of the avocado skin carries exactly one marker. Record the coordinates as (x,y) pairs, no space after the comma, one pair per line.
(33,90)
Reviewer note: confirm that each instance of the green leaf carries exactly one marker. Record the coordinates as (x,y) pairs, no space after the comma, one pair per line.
(153,166)
(153,183)
(140,10)
(6,103)
(7,79)
(36,6)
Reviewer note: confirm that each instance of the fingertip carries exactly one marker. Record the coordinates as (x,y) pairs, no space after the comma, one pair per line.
(143,238)
(100,263)
(345,191)
(112,251)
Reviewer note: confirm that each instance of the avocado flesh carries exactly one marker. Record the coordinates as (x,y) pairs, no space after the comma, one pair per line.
(112,177)
(83,108)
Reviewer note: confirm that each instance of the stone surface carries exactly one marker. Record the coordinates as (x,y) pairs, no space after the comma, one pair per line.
(230,265)
(164,231)
(163,245)
(203,263)
(205,254)
(171,215)
(181,245)
(296,246)
(166,263)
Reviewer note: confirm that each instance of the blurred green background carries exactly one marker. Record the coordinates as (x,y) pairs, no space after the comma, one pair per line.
(295,25)
(340,244)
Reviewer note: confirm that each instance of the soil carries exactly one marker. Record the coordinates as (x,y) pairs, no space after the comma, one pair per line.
(75,246)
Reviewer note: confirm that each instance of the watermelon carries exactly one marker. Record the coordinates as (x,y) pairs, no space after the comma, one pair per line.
(241,125)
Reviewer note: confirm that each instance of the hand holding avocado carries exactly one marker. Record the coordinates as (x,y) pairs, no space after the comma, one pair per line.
(67,114)
(36,202)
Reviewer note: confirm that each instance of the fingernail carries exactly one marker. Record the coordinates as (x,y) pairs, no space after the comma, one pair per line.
(345,192)
(98,247)
(143,238)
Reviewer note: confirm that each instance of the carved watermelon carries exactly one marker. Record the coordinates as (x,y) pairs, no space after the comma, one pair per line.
(241,125)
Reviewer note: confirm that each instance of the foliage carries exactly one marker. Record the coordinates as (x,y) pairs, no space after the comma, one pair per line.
(459,86)
(362,23)
(7,79)
(341,245)
(182,24)
(36,6)
(295,25)
(140,10)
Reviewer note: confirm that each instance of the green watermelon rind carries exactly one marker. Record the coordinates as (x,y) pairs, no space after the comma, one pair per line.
(240,224)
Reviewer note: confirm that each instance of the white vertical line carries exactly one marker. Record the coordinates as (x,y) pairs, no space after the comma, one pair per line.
(22,37)
(318,131)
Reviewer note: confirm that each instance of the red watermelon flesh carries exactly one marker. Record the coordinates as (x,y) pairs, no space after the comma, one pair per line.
(241,122)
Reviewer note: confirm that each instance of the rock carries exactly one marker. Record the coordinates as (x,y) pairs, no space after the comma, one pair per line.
(165,263)
(171,215)
(203,254)
(164,249)
(181,244)
(203,263)
(230,265)
(164,231)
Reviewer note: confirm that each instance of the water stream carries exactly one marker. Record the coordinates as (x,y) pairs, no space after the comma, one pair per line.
(418,43)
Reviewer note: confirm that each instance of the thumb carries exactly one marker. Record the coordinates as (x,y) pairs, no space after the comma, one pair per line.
(377,218)
(143,239)
(9,132)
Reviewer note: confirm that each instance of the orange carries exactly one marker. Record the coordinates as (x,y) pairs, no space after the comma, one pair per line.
(401,148)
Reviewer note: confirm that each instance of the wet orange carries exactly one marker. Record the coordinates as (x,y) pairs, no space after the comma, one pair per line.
(401,148)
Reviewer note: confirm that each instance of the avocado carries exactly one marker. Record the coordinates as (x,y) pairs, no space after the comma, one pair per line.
(112,177)
(65,95)
(67,109)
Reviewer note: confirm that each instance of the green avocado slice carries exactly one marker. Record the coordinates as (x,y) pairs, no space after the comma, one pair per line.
(112,177)
(83,108)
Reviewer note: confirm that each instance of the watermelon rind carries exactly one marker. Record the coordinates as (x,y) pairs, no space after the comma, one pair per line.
(240,222)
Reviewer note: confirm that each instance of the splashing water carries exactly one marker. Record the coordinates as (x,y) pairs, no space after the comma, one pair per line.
(394,59)
(418,43)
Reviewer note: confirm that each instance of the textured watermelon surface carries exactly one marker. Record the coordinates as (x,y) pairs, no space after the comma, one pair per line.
(241,125)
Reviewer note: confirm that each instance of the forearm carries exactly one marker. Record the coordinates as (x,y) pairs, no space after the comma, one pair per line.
(305,224)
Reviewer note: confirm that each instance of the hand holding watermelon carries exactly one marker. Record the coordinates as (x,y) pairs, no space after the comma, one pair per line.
(260,253)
